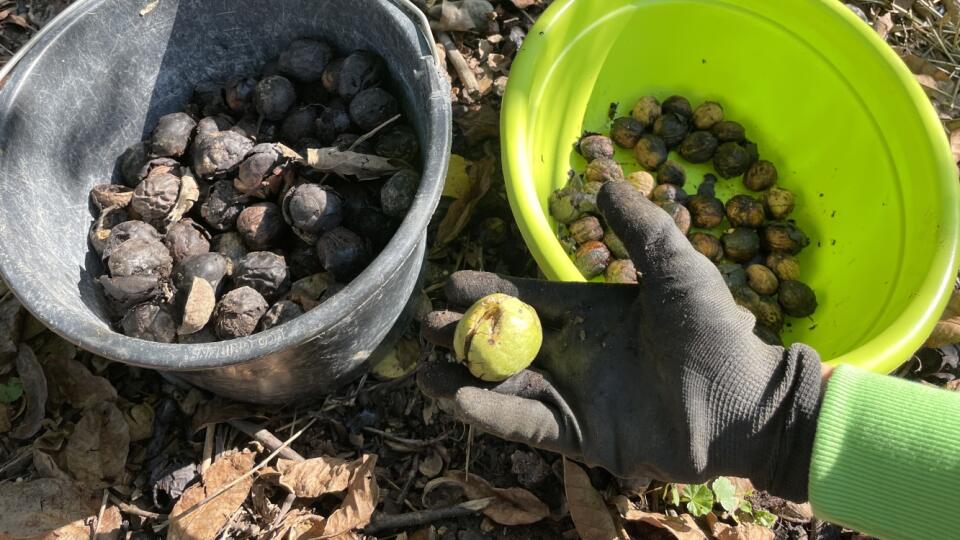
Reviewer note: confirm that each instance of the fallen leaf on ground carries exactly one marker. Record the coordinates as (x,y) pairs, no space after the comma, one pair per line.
(96,453)
(461,210)
(523,4)
(47,467)
(883,25)
(317,476)
(947,330)
(462,15)
(35,508)
(35,392)
(511,506)
(479,124)
(922,66)
(587,508)
(71,382)
(354,513)
(204,522)
(11,323)
(362,497)
(638,523)
(457,184)
(346,163)
(744,531)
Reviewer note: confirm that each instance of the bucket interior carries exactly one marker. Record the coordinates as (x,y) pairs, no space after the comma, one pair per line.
(853,137)
(97,81)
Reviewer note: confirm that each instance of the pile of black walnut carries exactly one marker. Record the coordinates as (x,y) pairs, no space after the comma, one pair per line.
(751,239)
(222,229)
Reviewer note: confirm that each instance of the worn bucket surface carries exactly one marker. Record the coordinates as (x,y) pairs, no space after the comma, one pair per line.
(96,80)
(850,130)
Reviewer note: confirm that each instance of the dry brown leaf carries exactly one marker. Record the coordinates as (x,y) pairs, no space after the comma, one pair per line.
(317,476)
(587,509)
(109,528)
(47,467)
(205,522)
(883,25)
(346,163)
(362,497)
(683,527)
(947,331)
(523,4)
(461,210)
(922,66)
(34,392)
(37,507)
(96,453)
(744,531)
(71,382)
(511,506)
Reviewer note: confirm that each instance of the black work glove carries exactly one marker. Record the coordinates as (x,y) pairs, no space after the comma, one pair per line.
(664,380)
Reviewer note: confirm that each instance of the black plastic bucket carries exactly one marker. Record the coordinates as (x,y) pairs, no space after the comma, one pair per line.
(97,78)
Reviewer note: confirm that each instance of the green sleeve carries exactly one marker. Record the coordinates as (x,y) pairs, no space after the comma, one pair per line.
(886,458)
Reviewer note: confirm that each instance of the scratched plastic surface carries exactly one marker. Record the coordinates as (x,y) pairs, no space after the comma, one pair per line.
(96,79)
(849,128)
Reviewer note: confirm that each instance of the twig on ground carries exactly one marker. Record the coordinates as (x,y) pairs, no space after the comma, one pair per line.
(383,522)
(127,508)
(208,440)
(409,481)
(267,439)
(416,443)
(103,508)
(460,65)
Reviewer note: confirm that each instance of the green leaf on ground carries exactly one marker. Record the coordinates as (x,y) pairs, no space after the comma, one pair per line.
(726,494)
(699,499)
(11,390)
(762,517)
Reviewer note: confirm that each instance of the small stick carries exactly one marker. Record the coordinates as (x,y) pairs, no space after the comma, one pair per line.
(103,508)
(459,63)
(235,481)
(267,439)
(409,442)
(136,510)
(386,522)
(409,482)
(208,440)
(466,466)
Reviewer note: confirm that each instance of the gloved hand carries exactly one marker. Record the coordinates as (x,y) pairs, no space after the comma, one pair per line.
(664,380)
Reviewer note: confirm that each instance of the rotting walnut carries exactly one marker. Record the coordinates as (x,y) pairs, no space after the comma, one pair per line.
(261,225)
(312,210)
(238,313)
(265,272)
(594,146)
(343,253)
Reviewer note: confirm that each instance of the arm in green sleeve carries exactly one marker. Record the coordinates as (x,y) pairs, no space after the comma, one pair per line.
(881,442)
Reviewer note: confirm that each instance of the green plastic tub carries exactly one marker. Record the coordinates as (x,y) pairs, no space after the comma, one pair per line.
(828,102)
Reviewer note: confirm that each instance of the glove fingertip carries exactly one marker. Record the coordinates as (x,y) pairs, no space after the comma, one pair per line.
(465,287)
(442,380)
(438,327)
